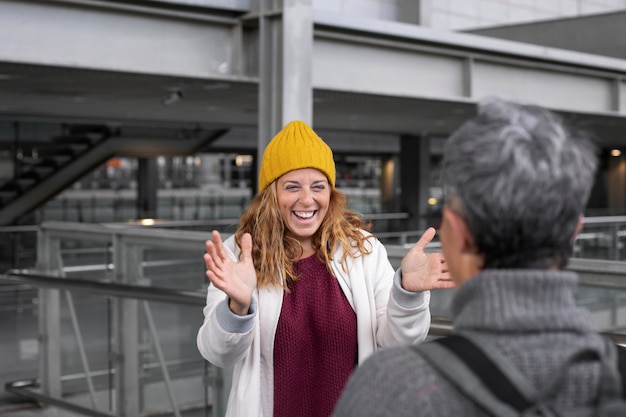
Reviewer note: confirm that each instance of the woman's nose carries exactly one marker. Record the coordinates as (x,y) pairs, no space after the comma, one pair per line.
(306,196)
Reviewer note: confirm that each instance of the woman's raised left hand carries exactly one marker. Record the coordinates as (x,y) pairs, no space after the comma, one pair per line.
(422,271)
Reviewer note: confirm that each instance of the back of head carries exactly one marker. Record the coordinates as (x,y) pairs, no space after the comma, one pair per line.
(520,178)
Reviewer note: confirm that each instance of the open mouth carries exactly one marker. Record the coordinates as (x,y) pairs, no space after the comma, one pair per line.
(304,214)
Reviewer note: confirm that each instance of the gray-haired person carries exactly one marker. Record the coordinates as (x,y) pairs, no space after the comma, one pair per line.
(516,182)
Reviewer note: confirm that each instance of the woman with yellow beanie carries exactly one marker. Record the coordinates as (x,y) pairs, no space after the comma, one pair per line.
(302,293)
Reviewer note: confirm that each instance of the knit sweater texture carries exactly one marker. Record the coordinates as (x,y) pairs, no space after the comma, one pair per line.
(315,350)
(528,316)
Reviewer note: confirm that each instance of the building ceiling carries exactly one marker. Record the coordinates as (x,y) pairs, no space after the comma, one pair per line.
(42,99)
(127,92)
(48,93)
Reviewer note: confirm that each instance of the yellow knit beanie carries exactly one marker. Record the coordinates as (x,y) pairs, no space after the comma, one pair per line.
(295,146)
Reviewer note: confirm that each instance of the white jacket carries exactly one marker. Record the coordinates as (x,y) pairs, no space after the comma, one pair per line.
(385,317)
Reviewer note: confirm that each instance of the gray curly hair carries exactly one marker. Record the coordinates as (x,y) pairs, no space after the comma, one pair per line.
(520,178)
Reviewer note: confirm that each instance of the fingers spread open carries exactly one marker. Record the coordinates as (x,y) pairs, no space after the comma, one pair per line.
(213,255)
(219,245)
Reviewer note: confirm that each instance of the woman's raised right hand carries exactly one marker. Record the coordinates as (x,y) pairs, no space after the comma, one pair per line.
(236,278)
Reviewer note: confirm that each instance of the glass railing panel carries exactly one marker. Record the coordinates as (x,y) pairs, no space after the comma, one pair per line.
(19,343)
(171,374)
(85,259)
(602,289)
(160,335)
(170,268)
(607,307)
(18,247)
(602,238)
(172,349)
(85,349)
(597,242)
(111,347)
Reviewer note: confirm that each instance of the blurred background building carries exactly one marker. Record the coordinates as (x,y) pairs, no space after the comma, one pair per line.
(117,114)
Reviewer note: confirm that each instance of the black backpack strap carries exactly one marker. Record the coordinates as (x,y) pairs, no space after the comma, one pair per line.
(494,384)
(486,370)
(476,375)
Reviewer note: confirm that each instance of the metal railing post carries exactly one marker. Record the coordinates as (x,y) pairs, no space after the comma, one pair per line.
(126,327)
(49,320)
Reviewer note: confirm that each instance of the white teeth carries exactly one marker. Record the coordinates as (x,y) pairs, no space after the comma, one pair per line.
(304,214)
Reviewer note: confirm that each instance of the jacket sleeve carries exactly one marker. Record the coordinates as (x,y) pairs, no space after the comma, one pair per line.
(224,337)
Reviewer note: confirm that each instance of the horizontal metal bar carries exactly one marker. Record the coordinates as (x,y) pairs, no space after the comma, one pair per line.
(19,229)
(386,216)
(156,238)
(27,389)
(379,29)
(442,326)
(604,220)
(235,221)
(144,264)
(138,292)
(599,273)
(207,224)
(201,14)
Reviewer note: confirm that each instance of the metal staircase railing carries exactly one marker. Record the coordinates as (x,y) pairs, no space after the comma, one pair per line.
(53,157)
(77,155)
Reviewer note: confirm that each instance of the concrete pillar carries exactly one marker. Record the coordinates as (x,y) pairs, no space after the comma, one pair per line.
(387,184)
(413,11)
(147,187)
(415,179)
(285,66)
(423,12)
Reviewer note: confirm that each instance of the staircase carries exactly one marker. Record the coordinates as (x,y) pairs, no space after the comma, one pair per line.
(24,193)
(65,159)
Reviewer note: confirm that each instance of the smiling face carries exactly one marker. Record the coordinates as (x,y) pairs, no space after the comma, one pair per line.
(303,198)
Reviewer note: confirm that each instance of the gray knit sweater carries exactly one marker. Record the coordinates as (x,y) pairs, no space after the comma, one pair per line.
(529,316)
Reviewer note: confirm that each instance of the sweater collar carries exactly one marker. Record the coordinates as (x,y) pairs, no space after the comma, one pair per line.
(520,300)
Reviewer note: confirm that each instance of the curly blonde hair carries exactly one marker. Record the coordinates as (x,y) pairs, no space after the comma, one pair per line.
(274,252)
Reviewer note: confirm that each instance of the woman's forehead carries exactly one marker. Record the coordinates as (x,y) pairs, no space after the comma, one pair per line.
(303,174)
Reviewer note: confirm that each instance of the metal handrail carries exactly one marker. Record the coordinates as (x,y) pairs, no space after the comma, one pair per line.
(440,326)
(138,292)
(26,388)
(103,288)
(122,240)
(604,219)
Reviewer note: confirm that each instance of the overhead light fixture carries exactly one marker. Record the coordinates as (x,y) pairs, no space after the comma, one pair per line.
(243,160)
(172,98)
(616,152)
